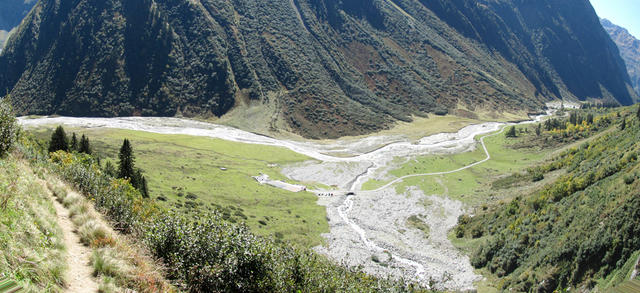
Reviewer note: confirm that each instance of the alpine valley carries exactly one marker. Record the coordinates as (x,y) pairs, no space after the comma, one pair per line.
(318,146)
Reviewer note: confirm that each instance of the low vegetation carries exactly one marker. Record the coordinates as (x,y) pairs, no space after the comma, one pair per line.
(118,264)
(32,250)
(8,127)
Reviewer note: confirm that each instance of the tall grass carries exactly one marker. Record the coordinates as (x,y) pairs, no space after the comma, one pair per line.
(31,245)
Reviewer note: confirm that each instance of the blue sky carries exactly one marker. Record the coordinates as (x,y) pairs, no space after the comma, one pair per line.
(625,13)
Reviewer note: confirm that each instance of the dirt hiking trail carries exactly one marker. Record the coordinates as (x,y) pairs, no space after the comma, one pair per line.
(79,276)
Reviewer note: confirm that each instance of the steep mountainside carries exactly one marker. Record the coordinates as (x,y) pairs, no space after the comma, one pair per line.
(629,50)
(324,68)
(11,14)
(579,231)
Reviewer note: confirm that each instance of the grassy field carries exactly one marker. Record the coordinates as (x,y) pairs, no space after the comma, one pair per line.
(471,185)
(187,171)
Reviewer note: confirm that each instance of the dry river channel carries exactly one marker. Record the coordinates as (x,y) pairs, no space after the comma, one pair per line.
(368,229)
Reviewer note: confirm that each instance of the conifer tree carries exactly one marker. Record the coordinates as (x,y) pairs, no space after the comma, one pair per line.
(623,125)
(143,188)
(538,129)
(511,132)
(547,125)
(590,118)
(74,142)
(85,146)
(59,141)
(126,165)
(573,118)
(137,179)
(638,113)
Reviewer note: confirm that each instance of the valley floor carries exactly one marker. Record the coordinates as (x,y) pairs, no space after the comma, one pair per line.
(399,229)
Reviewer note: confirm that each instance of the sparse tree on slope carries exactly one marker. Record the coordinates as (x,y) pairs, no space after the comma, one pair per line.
(59,141)
(74,142)
(623,125)
(143,188)
(126,166)
(511,132)
(85,147)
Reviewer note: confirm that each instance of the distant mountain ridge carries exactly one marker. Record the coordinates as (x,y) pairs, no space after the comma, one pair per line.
(321,68)
(629,50)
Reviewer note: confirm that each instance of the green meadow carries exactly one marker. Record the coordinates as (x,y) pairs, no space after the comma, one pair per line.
(195,174)
(470,185)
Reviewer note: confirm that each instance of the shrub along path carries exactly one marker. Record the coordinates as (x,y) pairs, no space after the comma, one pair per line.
(78,277)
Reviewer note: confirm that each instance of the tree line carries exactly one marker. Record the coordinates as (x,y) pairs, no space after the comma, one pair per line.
(126,165)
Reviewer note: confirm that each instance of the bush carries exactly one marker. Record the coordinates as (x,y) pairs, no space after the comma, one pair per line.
(441,111)
(628,179)
(8,127)
(537,176)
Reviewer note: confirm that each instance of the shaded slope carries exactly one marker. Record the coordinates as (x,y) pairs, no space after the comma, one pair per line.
(331,68)
(558,45)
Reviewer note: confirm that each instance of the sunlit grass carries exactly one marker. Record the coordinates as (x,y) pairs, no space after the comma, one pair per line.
(188,172)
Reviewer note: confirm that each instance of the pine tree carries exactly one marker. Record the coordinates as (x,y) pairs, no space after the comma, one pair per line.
(74,142)
(59,141)
(85,147)
(590,118)
(137,179)
(143,188)
(511,132)
(623,125)
(539,129)
(126,164)
(547,125)
(573,118)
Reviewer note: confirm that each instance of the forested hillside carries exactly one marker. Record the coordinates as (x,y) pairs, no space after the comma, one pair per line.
(11,14)
(581,231)
(322,68)
(629,50)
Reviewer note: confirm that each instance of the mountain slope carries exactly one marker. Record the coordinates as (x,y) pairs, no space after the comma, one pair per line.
(629,50)
(11,14)
(322,68)
(579,231)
